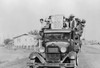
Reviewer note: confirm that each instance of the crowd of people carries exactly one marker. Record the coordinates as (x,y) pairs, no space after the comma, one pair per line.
(70,22)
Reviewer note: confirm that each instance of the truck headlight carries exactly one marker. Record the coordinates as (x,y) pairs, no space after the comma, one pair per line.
(42,49)
(63,49)
(32,57)
(72,57)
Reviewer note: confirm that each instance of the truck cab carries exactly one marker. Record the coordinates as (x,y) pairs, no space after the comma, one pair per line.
(58,46)
(56,50)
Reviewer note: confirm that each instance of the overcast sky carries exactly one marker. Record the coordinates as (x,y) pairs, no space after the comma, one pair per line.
(21,16)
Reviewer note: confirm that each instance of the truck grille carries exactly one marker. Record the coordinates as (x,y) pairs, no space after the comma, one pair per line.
(53,54)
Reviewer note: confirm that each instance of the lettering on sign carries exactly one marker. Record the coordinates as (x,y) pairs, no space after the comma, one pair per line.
(57,22)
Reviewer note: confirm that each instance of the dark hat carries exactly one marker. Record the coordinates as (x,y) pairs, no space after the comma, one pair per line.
(49,17)
(83,25)
(71,16)
(83,21)
(77,20)
(41,19)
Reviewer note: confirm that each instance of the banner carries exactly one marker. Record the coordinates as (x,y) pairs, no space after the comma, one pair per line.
(57,22)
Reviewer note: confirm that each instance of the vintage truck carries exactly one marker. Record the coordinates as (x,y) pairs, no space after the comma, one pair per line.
(57,48)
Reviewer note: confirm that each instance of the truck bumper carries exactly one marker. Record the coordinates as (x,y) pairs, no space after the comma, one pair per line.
(51,64)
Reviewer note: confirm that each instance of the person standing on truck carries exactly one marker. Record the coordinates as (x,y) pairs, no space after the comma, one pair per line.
(43,24)
(79,27)
(71,21)
(65,25)
(47,23)
(68,21)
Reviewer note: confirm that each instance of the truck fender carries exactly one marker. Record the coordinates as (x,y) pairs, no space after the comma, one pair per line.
(39,56)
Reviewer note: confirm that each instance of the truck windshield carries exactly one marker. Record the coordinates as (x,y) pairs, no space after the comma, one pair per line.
(57,36)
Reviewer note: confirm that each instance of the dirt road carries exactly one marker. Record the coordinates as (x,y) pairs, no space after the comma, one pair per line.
(89,57)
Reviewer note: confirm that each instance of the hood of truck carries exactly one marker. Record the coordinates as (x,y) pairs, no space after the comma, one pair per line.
(58,43)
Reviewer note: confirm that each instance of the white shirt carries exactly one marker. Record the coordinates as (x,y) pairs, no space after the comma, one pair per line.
(43,24)
(67,23)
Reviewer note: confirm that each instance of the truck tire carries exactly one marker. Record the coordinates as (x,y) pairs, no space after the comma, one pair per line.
(75,62)
(30,66)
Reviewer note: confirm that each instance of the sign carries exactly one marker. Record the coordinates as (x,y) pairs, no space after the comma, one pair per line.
(57,22)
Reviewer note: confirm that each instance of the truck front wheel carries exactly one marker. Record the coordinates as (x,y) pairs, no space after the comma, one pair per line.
(30,66)
(75,62)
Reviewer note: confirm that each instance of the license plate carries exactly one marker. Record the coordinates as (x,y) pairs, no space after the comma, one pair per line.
(70,65)
(61,64)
